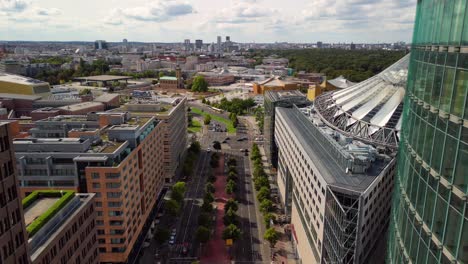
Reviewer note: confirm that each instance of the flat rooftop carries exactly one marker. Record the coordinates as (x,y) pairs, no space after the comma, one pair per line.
(323,156)
(103,78)
(37,208)
(168,78)
(80,106)
(20,96)
(12,78)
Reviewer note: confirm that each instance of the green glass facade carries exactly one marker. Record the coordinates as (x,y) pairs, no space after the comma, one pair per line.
(430,216)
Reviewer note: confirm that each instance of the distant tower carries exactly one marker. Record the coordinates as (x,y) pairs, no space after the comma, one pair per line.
(198,44)
(353,46)
(219,43)
(319,44)
(228,39)
(187,44)
(180,81)
(125,41)
(100,44)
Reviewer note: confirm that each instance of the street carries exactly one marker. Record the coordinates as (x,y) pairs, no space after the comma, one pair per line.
(250,247)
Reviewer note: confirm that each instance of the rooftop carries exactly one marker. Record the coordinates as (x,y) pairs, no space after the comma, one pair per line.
(106,97)
(20,96)
(343,162)
(168,78)
(341,82)
(12,78)
(103,78)
(80,106)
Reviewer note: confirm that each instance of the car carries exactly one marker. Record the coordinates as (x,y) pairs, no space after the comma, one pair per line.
(208,150)
(244,138)
(184,250)
(146,244)
(224,142)
(173,231)
(228,138)
(172,241)
(242,150)
(240,139)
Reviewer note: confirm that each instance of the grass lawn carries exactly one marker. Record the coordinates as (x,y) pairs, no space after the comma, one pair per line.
(227,122)
(195,127)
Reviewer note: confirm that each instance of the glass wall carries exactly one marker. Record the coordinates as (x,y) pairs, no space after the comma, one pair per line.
(429,215)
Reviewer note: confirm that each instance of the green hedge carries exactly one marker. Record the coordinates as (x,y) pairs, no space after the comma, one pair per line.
(47,215)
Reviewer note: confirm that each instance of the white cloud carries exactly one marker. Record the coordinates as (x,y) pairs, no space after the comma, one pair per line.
(13,5)
(155,11)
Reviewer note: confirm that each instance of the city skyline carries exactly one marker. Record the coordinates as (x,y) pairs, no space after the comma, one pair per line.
(366,21)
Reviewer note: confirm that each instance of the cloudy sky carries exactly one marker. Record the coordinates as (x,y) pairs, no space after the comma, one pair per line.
(174,20)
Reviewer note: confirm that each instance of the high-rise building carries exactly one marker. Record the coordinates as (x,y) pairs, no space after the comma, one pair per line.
(228,39)
(100,44)
(68,235)
(112,154)
(336,163)
(13,242)
(125,41)
(319,44)
(274,99)
(198,44)
(187,45)
(219,44)
(429,222)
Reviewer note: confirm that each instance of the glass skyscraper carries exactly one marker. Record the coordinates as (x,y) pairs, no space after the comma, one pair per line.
(430,216)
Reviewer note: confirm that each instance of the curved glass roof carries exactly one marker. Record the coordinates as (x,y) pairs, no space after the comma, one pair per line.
(370,110)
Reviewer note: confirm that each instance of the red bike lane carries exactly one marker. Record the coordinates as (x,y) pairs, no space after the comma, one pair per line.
(215,251)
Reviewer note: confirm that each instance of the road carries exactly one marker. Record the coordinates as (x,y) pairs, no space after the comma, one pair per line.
(250,248)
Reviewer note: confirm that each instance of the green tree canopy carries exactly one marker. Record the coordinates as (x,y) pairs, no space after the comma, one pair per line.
(272,236)
(231,204)
(199,84)
(263,194)
(204,219)
(231,187)
(172,207)
(162,235)
(266,206)
(202,234)
(231,232)
(230,217)
(207,120)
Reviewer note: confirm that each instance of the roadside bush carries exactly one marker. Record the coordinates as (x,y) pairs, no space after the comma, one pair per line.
(231,204)
(230,217)
(263,194)
(205,219)
(231,187)
(208,197)
(267,218)
(266,206)
(209,187)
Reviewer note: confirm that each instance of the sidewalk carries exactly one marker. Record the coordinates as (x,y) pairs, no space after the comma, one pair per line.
(215,250)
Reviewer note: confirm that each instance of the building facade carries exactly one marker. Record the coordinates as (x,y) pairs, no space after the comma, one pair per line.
(429,216)
(69,236)
(274,99)
(337,191)
(13,237)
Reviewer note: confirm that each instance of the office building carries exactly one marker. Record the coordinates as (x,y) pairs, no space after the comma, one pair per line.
(67,235)
(319,44)
(219,44)
(218,78)
(13,237)
(172,111)
(17,84)
(336,163)
(228,39)
(11,66)
(187,44)
(100,45)
(274,84)
(198,44)
(429,222)
(116,156)
(274,99)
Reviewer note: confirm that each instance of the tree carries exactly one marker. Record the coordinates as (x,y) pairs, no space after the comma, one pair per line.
(272,236)
(217,145)
(161,74)
(195,147)
(208,197)
(266,206)
(199,84)
(230,187)
(207,120)
(267,218)
(207,207)
(178,191)
(260,182)
(172,207)
(202,234)
(230,217)
(232,176)
(209,187)
(162,235)
(204,219)
(263,194)
(231,204)
(231,232)
(232,162)
(85,91)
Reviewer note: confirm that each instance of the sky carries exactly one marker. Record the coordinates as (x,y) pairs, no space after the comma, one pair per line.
(260,21)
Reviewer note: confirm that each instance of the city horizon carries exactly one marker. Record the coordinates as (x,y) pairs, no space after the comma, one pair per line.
(371,21)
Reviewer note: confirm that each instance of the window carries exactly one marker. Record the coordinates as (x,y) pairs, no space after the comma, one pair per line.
(112,185)
(112,175)
(114,204)
(95,175)
(96,185)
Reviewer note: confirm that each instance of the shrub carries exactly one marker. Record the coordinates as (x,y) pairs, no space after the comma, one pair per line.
(231,204)
(263,194)
(209,187)
(47,215)
(266,206)
(231,186)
